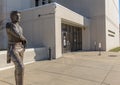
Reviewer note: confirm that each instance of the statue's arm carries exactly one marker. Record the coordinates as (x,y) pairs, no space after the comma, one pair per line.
(10,29)
(24,41)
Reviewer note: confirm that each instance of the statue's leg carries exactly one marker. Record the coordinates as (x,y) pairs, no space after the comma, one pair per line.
(19,67)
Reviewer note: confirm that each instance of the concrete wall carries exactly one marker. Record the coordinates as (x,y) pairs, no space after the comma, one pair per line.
(1,6)
(112,23)
(39,26)
(97,24)
(10,5)
(1,10)
(3,39)
(30,55)
(86,35)
(98,35)
(18,4)
(1,13)
(87,8)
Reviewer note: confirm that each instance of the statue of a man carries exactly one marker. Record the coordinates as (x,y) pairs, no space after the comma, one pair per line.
(16,46)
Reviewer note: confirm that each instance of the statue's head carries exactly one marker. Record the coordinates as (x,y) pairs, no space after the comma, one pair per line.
(15,16)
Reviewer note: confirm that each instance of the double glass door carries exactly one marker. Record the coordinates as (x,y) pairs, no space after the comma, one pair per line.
(71,38)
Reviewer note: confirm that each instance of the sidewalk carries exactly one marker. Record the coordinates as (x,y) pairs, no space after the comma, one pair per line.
(78,68)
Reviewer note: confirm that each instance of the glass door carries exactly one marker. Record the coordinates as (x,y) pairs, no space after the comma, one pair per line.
(71,38)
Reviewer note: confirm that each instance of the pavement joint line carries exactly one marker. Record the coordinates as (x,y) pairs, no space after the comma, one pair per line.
(83,58)
(83,66)
(70,76)
(106,83)
(107,74)
(9,67)
(6,82)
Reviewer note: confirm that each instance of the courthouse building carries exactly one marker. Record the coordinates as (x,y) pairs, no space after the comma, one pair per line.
(65,25)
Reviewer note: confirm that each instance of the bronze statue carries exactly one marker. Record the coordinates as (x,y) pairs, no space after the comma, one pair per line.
(16,46)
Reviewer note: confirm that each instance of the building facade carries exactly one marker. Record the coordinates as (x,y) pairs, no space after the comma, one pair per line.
(67,25)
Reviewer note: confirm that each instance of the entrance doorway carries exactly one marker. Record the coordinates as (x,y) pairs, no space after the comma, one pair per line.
(71,38)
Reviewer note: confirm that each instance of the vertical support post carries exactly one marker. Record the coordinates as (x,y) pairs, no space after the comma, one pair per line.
(99,49)
(50,56)
(95,45)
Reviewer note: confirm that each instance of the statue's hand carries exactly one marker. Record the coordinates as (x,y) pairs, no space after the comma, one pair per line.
(9,54)
(24,43)
(8,59)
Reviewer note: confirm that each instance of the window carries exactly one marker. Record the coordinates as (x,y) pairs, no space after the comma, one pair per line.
(43,2)
(46,2)
(49,1)
(36,2)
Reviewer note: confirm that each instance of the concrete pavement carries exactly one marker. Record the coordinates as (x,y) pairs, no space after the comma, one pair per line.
(77,68)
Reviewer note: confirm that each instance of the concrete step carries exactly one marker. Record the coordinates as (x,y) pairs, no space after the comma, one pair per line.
(30,55)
